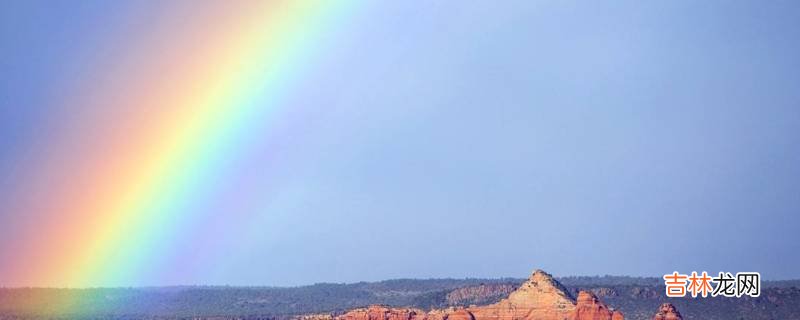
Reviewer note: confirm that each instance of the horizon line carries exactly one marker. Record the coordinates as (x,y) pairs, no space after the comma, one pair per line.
(266,286)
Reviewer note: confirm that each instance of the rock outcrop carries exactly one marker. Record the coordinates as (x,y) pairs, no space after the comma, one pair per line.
(315,316)
(589,307)
(384,313)
(461,314)
(482,294)
(667,312)
(540,298)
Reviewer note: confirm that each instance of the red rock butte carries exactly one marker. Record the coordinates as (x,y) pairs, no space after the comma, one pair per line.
(667,312)
(539,298)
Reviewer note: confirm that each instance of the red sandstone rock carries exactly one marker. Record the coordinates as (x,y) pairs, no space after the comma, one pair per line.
(589,307)
(383,313)
(460,314)
(539,298)
(667,312)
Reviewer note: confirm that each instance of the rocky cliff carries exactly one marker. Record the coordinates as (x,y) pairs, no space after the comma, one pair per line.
(589,307)
(539,298)
(383,313)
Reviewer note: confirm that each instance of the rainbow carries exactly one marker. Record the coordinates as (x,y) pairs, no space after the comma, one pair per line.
(152,126)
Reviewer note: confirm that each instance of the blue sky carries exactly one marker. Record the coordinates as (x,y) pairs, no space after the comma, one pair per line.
(469,139)
(606,138)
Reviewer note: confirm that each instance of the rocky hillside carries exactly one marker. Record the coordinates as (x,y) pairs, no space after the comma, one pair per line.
(539,298)
(637,298)
(481,294)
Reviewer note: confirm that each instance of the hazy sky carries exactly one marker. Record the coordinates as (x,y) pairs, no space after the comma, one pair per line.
(486,139)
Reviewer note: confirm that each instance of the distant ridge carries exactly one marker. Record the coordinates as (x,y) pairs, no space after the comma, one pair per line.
(637,298)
